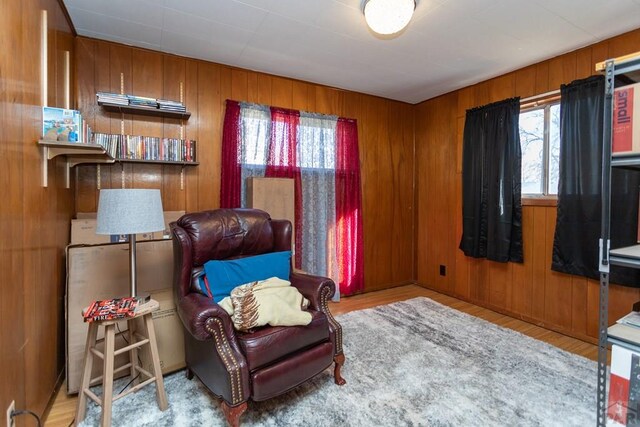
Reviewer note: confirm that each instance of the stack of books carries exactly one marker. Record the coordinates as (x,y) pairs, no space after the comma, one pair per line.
(167,105)
(112,98)
(109,142)
(136,147)
(142,101)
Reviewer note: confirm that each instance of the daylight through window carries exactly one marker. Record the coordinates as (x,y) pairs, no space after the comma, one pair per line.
(540,142)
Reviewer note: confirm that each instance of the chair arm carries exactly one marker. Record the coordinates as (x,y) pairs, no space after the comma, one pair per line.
(197,310)
(318,290)
(312,287)
(206,320)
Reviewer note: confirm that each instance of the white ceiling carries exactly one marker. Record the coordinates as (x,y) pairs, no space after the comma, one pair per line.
(449,44)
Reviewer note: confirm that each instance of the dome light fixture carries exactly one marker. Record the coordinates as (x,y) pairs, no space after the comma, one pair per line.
(388,16)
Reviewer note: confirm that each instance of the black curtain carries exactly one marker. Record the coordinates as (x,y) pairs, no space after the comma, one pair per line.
(491,175)
(575,245)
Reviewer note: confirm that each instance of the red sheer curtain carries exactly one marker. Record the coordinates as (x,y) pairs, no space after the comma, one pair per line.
(282,162)
(349,239)
(231,173)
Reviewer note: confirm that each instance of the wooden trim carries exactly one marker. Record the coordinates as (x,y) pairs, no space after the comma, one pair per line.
(600,66)
(539,201)
(540,97)
(560,330)
(530,105)
(65,12)
(293,111)
(56,389)
(44,58)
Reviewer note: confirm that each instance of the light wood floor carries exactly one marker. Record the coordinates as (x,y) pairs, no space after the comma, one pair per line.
(62,411)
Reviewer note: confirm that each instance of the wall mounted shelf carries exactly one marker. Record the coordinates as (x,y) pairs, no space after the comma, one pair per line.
(58,148)
(148,111)
(627,161)
(158,162)
(77,153)
(625,257)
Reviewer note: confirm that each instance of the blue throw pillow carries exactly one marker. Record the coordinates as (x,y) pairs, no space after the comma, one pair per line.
(223,276)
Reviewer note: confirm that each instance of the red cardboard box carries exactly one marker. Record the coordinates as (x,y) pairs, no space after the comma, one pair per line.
(626,120)
(624,388)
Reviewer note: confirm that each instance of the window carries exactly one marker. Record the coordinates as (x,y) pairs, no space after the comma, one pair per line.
(540,143)
(320,153)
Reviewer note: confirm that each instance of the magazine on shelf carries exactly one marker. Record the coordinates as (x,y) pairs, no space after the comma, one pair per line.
(116,308)
(142,101)
(168,105)
(112,98)
(60,124)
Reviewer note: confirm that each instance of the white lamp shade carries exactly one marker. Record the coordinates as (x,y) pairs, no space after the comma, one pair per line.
(388,16)
(129,211)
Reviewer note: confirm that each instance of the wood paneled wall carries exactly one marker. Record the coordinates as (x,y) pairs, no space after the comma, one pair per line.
(34,222)
(530,291)
(385,135)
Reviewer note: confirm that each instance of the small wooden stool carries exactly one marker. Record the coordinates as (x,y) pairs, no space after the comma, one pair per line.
(136,340)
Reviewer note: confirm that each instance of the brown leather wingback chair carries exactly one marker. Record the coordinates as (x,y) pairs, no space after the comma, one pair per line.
(269,361)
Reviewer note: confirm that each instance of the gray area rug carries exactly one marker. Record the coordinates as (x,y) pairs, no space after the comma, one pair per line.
(411,363)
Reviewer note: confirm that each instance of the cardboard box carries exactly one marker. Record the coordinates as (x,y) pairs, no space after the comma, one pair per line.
(624,387)
(276,196)
(102,272)
(83,230)
(169,217)
(169,334)
(86,215)
(626,120)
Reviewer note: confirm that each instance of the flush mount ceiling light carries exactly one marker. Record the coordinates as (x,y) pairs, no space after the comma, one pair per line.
(388,16)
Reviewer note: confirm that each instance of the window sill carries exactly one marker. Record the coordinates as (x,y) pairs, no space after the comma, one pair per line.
(530,200)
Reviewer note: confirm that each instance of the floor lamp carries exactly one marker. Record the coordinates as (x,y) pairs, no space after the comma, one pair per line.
(130,211)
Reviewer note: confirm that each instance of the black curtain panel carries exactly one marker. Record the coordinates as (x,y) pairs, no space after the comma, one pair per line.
(575,245)
(491,175)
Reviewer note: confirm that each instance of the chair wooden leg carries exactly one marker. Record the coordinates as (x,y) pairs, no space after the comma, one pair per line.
(189,374)
(233,413)
(339,359)
(86,374)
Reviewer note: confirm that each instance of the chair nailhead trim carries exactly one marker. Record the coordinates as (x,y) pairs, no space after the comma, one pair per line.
(324,301)
(226,354)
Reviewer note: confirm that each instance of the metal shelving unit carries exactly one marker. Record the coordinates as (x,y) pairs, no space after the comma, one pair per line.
(625,336)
